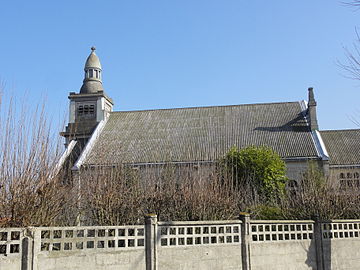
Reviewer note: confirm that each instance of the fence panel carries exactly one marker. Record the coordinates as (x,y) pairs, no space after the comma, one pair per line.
(89,248)
(11,248)
(286,244)
(202,245)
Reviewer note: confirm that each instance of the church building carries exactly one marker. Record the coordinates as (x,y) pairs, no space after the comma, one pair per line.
(97,136)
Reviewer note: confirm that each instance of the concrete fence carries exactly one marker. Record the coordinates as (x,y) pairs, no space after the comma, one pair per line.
(232,244)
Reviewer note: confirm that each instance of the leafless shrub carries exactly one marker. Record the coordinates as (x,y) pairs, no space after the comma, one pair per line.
(123,195)
(319,196)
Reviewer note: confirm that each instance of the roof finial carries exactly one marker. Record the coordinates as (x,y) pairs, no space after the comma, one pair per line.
(93,48)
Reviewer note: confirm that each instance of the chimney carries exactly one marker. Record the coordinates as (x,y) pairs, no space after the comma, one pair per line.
(312,110)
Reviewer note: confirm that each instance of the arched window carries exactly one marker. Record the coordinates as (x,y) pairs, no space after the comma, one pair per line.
(349,175)
(356,175)
(342,175)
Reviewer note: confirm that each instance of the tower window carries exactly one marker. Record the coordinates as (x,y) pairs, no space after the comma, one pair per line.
(97,74)
(91,73)
(86,110)
(91,109)
(80,110)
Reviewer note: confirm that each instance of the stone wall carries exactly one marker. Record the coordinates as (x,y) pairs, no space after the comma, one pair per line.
(235,244)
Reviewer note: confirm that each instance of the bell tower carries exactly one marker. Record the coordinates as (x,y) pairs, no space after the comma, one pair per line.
(88,107)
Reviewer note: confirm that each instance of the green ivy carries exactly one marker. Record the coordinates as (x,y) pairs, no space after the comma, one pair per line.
(257,166)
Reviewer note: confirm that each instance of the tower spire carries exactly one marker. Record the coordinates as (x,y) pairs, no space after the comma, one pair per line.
(93,73)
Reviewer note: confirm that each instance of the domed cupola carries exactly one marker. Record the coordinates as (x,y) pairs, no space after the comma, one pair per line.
(92,81)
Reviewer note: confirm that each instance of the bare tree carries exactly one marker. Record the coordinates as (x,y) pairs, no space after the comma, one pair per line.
(29,194)
(354,3)
(351,66)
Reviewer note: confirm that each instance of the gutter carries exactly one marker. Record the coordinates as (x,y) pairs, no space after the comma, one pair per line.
(345,166)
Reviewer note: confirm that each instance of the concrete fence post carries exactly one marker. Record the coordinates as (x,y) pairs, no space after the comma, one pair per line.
(25,254)
(27,244)
(36,247)
(245,240)
(150,241)
(318,243)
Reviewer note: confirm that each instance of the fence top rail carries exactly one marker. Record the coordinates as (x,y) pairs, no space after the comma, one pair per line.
(341,221)
(281,221)
(89,227)
(11,229)
(198,223)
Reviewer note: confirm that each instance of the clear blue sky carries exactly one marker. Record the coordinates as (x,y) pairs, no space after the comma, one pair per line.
(181,53)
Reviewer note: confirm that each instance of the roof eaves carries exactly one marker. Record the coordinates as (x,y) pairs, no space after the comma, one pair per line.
(345,166)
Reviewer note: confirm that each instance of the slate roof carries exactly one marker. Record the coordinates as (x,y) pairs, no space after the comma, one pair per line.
(201,133)
(342,145)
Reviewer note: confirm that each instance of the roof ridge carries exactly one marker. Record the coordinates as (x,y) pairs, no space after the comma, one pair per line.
(340,130)
(214,106)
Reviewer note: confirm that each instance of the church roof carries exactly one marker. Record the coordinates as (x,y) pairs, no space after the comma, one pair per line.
(201,133)
(343,146)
